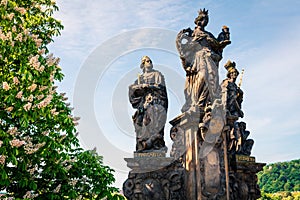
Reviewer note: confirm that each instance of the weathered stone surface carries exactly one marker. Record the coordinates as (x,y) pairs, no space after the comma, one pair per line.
(205,176)
(148,163)
(165,183)
(148,95)
(243,179)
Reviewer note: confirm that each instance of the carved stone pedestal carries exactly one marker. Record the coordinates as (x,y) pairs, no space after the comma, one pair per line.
(243,179)
(205,172)
(154,178)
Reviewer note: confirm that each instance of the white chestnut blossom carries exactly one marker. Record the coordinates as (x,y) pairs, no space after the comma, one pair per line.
(2,159)
(42,88)
(9,36)
(27,106)
(29,195)
(53,111)
(4,2)
(32,87)
(42,51)
(39,97)
(9,109)
(46,133)
(34,62)
(45,102)
(12,131)
(30,98)
(19,94)
(51,60)
(73,182)
(19,37)
(16,143)
(2,36)
(68,167)
(20,10)
(31,148)
(57,189)
(16,81)
(14,29)
(5,86)
(10,16)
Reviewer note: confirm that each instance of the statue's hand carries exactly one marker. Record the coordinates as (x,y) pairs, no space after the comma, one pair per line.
(225,43)
(144,85)
(137,86)
(140,86)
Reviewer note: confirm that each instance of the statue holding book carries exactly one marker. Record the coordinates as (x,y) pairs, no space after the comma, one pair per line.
(148,95)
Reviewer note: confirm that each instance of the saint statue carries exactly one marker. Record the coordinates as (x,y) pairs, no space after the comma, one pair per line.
(200,53)
(148,95)
(238,141)
(232,93)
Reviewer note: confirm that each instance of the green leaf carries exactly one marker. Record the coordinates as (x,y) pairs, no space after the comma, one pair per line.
(3,175)
(14,160)
(33,185)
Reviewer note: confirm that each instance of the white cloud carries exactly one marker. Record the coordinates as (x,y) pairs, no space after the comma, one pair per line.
(94,21)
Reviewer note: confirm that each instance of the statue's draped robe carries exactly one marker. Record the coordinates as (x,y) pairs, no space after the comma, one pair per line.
(201,62)
(151,103)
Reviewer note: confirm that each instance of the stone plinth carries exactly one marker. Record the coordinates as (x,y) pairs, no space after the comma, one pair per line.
(147,162)
(243,179)
(154,177)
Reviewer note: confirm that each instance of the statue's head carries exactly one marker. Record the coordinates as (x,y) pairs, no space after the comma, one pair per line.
(242,125)
(225,29)
(146,64)
(232,72)
(202,19)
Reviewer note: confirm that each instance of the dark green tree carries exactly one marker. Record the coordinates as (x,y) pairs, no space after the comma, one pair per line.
(283,176)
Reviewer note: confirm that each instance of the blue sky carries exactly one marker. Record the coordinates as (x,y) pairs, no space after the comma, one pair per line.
(103,41)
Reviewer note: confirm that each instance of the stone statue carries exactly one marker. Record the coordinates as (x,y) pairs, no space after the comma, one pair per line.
(224,35)
(245,145)
(200,53)
(233,93)
(239,142)
(178,148)
(148,95)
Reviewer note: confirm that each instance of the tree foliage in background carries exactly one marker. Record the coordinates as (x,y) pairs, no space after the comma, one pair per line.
(280,196)
(283,176)
(40,157)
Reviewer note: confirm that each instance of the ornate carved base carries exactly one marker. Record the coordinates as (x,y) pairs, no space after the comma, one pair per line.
(154,178)
(204,163)
(243,179)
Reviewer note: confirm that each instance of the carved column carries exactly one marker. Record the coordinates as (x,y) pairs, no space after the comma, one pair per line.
(205,177)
